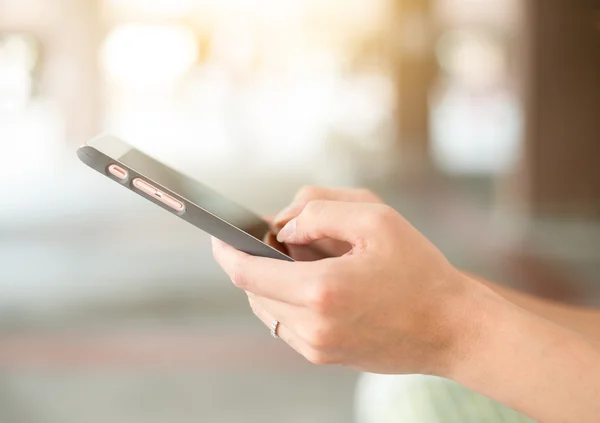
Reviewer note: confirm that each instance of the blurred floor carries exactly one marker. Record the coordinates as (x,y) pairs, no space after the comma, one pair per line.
(211,391)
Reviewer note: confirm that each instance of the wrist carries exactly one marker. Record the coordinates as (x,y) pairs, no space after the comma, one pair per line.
(473,315)
(512,356)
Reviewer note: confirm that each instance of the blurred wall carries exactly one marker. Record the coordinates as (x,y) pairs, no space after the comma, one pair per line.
(561,172)
(416,69)
(70,35)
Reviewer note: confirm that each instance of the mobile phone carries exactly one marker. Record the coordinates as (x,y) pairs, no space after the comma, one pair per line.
(182,196)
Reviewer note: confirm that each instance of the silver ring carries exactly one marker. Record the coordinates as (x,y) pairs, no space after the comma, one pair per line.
(274,327)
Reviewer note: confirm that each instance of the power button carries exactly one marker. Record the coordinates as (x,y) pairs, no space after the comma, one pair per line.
(118,172)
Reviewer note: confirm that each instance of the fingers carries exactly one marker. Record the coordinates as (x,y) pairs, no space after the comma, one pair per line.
(328,247)
(291,314)
(313,346)
(310,193)
(354,223)
(271,240)
(275,279)
(288,214)
(284,333)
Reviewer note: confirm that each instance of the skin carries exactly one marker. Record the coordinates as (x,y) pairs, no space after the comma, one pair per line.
(389,302)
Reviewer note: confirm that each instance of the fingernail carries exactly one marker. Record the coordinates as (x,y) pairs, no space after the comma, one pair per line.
(287,232)
(285,215)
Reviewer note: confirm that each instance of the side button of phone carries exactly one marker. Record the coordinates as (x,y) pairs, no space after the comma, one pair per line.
(145,187)
(118,172)
(157,194)
(176,205)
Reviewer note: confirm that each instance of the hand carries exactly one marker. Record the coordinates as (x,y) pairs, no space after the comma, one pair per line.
(329,247)
(392,304)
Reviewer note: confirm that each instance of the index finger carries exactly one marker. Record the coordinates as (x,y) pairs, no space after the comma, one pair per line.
(274,279)
(311,193)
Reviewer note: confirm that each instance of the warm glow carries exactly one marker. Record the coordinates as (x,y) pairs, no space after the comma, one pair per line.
(148,54)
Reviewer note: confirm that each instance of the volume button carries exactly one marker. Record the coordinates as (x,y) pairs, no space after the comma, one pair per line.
(157,194)
(145,187)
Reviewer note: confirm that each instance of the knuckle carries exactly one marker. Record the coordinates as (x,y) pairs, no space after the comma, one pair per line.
(309,192)
(319,358)
(314,207)
(368,195)
(383,216)
(325,291)
(321,337)
(321,299)
(238,280)
(314,210)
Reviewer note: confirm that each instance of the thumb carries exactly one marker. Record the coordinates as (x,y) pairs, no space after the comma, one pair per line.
(353,223)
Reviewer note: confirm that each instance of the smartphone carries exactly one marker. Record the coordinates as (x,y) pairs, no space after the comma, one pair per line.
(182,196)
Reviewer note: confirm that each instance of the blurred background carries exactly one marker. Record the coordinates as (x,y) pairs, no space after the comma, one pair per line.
(478,120)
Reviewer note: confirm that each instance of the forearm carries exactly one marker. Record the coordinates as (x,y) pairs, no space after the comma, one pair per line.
(531,365)
(585,321)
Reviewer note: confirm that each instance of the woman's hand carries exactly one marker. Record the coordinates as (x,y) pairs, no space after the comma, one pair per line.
(391,304)
(329,247)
